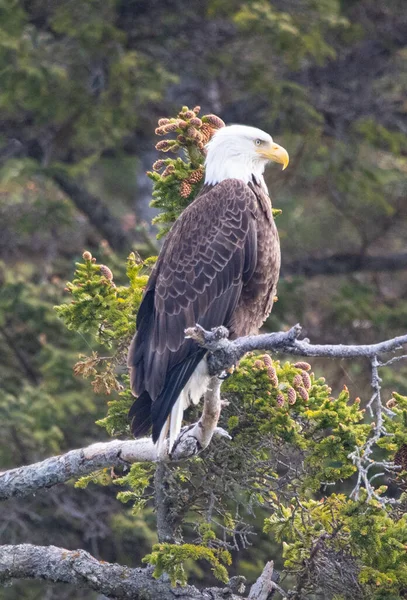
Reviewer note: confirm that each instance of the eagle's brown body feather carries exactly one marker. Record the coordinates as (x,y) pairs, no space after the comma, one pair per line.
(219,266)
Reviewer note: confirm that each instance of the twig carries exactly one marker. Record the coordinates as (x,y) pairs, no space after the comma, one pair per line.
(361,457)
(264,585)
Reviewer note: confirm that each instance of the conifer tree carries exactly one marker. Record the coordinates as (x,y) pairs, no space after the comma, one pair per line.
(291,444)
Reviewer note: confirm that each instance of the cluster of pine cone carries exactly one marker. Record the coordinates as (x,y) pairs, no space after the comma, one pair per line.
(192,132)
(300,385)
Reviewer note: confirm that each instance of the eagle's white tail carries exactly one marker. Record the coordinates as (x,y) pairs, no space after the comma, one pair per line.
(191,393)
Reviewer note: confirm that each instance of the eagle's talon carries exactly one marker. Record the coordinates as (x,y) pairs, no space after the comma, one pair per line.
(220,432)
(226,373)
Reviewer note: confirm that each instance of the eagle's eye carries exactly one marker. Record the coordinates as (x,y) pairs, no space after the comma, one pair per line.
(258,142)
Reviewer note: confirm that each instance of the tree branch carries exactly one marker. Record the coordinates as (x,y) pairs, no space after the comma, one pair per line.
(224,353)
(265,586)
(26,480)
(81,569)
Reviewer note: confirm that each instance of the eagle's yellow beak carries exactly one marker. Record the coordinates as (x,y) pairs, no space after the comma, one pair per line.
(275,153)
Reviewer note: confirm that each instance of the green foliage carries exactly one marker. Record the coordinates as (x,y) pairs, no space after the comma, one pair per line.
(297,36)
(39,399)
(338,525)
(181,178)
(100,477)
(116,421)
(395,423)
(172,559)
(294,407)
(99,306)
(90,88)
(108,312)
(138,479)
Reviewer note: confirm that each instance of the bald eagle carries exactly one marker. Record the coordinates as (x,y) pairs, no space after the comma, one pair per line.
(219,265)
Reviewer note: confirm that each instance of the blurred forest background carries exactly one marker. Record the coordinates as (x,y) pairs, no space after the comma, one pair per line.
(82,84)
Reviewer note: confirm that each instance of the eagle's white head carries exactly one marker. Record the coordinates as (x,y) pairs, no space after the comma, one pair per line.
(241,152)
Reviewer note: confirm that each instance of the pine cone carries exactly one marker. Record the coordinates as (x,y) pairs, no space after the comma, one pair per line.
(168,170)
(158,165)
(306,380)
(291,395)
(196,176)
(163,146)
(271,372)
(170,127)
(106,272)
(303,365)
(303,393)
(207,132)
(185,189)
(215,121)
(280,399)
(194,134)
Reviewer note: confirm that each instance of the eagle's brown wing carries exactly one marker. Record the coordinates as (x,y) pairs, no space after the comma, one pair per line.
(209,254)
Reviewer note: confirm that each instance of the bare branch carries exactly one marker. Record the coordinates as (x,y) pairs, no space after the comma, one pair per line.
(361,457)
(81,569)
(26,480)
(224,352)
(263,588)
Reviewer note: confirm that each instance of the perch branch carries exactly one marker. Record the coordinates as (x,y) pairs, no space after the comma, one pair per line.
(81,569)
(224,353)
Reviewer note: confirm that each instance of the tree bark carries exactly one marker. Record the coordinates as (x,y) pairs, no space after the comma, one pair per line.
(82,570)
